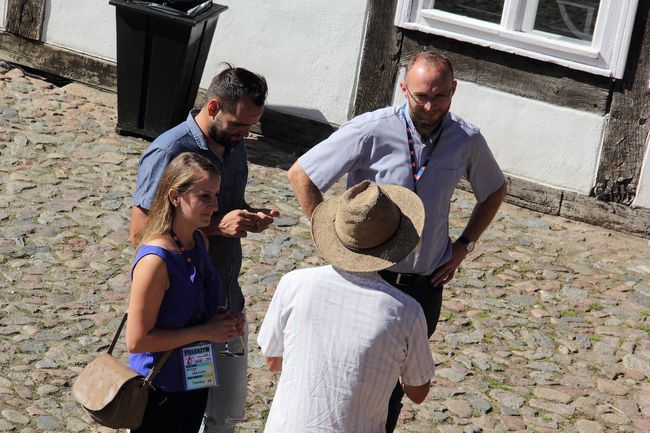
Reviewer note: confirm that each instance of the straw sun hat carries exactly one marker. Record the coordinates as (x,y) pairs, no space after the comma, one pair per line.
(369,227)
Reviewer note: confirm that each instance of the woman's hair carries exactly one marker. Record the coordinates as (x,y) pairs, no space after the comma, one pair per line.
(181,174)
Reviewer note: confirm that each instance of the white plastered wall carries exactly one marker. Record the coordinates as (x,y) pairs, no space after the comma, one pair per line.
(308,50)
(87,26)
(642,198)
(3,14)
(532,140)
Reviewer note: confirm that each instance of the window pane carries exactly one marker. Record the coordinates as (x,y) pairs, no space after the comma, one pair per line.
(571,18)
(483,10)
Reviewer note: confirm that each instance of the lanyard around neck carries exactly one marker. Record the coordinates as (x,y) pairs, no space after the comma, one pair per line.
(418,172)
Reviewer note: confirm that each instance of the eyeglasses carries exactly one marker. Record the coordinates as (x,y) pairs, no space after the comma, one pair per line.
(424,99)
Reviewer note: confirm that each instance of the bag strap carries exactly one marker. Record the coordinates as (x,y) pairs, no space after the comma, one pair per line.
(117,334)
(156,368)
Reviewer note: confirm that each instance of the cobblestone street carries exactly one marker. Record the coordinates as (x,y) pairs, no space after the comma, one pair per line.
(546,328)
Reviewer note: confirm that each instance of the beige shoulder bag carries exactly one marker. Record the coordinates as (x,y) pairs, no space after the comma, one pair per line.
(114,395)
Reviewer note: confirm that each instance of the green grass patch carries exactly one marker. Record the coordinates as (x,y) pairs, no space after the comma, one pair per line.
(488,337)
(645,313)
(448,315)
(504,267)
(645,328)
(595,306)
(569,313)
(595,338)
(495,384)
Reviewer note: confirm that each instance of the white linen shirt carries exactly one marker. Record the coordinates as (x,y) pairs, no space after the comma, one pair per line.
(345,339)
(373,146)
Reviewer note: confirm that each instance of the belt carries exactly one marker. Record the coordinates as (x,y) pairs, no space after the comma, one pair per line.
(399,279)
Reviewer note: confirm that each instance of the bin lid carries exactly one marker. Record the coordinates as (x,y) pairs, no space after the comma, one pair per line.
(190,12)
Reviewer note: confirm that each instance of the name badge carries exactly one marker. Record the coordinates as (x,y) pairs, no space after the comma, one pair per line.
(199,366)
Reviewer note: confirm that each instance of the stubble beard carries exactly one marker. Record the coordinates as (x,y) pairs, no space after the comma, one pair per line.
(428,124)
(220,136)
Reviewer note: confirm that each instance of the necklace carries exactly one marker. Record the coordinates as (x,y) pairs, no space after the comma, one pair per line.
(174,237)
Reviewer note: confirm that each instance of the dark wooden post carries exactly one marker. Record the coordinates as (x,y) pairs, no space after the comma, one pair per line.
(380,57)
(25,18)
(627,131)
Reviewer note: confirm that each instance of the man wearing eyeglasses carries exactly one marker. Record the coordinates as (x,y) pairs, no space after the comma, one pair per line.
(422,146)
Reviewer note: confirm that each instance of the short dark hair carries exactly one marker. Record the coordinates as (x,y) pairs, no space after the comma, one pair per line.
(438,60)
(232,84)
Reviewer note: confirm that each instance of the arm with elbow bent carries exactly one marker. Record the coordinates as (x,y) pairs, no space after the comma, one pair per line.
(482,215)
(417,394)
(307,193)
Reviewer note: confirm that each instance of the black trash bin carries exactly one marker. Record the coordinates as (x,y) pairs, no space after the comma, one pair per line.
(161,53)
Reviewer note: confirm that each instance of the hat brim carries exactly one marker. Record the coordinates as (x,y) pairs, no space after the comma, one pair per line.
(374,259)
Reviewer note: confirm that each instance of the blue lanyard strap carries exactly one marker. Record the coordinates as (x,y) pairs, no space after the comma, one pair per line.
(418,172)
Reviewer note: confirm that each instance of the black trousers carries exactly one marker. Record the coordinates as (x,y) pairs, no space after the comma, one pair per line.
(174,412)
(430,298)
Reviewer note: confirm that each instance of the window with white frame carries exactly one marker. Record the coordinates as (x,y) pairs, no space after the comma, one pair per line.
(588,35)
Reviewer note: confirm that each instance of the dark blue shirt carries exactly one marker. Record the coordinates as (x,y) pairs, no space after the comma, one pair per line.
(191,299)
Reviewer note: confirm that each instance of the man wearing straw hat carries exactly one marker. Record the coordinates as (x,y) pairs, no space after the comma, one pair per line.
(426,148)
(340,334)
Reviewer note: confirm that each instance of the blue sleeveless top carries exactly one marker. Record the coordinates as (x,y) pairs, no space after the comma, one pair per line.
(191,299)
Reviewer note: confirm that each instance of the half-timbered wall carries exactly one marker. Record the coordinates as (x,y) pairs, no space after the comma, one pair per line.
(571,142)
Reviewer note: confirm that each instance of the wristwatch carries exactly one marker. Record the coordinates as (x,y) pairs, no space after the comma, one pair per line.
(469,245)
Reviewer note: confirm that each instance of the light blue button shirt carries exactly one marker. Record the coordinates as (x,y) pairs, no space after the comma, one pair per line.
(225,253)
(374,146)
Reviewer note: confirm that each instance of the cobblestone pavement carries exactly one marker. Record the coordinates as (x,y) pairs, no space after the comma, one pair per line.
(546,327)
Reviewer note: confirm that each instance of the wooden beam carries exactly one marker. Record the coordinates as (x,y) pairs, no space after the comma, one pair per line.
(379,59)
(59,61)
(611,215)
(571,205)
(25,18)
(627,130)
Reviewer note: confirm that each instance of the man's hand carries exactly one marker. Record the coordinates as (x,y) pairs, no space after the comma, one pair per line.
(480,219)
(446,272)
(274,363)
(264,218)
(235,224)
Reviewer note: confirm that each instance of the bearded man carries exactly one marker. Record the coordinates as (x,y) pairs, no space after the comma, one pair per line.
(235,102)
(426,148)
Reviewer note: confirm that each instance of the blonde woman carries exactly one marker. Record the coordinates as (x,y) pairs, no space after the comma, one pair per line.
(174,298)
